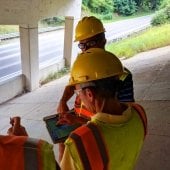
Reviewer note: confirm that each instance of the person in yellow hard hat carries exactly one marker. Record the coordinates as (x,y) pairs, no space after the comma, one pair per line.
(90,33)
(114,136)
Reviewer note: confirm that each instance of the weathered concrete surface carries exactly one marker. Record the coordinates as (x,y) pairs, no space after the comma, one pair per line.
(151,72)
(18,12)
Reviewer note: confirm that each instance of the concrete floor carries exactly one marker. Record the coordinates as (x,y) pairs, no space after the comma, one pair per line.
(151,75)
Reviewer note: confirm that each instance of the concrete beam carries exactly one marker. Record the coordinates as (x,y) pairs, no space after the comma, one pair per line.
(16,12)
(29,55)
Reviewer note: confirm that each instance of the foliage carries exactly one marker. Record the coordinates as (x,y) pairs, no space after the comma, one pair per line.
(150,4)
(54,21)
(138,2)
(164,4)
(54,75)
(107,17)
(152,38)
(99,6)
(163,15)
(5,29)
(121,7)
(125,7)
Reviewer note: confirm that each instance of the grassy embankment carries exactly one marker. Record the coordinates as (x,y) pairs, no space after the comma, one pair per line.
(5,29)
(152,38)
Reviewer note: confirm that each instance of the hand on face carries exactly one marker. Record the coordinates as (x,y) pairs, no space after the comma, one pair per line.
(62,107)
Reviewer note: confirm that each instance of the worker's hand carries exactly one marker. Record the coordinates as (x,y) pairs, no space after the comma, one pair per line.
(62,107)
(67,118)
(16,129)
(70,119)
(68,93)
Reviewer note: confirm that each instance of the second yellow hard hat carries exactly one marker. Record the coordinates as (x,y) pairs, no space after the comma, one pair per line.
(88,27)
(94,64)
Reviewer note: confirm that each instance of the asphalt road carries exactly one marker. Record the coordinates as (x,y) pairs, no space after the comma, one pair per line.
(51,44)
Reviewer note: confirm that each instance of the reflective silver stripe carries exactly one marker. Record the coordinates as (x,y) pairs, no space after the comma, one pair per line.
(30,154)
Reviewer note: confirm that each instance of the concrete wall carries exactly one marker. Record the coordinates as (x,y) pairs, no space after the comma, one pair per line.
(16,85)
(11,88)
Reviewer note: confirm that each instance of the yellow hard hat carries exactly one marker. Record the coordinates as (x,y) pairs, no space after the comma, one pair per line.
(94,64)
(88,27)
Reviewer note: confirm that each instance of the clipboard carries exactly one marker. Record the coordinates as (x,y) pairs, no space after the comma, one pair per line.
(58,133)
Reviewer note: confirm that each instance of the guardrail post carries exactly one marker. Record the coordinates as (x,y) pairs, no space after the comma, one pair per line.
(70,48)
(29,55)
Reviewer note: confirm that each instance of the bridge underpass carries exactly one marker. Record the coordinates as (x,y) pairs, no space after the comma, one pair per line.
(27,14)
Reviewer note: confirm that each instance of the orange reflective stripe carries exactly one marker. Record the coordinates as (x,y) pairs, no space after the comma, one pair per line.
(100,144)
(81,150)
(91,148)
(28,157)
(83,112)
(142,115)
(11,152)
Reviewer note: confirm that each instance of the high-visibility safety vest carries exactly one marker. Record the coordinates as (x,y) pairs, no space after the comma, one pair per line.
(142,115)
(23,153)
(81,110)
(92,147)
(99,160)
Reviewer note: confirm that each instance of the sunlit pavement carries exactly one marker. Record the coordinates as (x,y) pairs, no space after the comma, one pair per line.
(151,75)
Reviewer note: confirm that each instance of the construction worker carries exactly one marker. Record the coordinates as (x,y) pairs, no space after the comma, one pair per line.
(20,152)
(90,33)
(114,136)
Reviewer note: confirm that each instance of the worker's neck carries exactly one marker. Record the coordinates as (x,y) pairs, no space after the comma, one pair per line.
(111,106)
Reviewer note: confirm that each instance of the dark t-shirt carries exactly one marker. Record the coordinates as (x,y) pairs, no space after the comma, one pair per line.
(126,93)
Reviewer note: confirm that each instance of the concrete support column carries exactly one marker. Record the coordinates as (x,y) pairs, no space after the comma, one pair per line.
(30,55)
(70,48)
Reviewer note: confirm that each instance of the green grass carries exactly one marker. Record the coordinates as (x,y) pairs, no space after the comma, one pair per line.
(54,75)
(152,38)
(5,29)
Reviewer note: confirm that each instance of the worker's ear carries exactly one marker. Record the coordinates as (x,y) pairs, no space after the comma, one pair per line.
(89,94)
(102,43)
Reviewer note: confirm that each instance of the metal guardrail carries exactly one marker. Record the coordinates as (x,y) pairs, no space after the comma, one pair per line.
(126,34)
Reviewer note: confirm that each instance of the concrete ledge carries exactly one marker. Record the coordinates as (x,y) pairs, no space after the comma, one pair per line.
(14,85)
(11,88)
(46,70)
